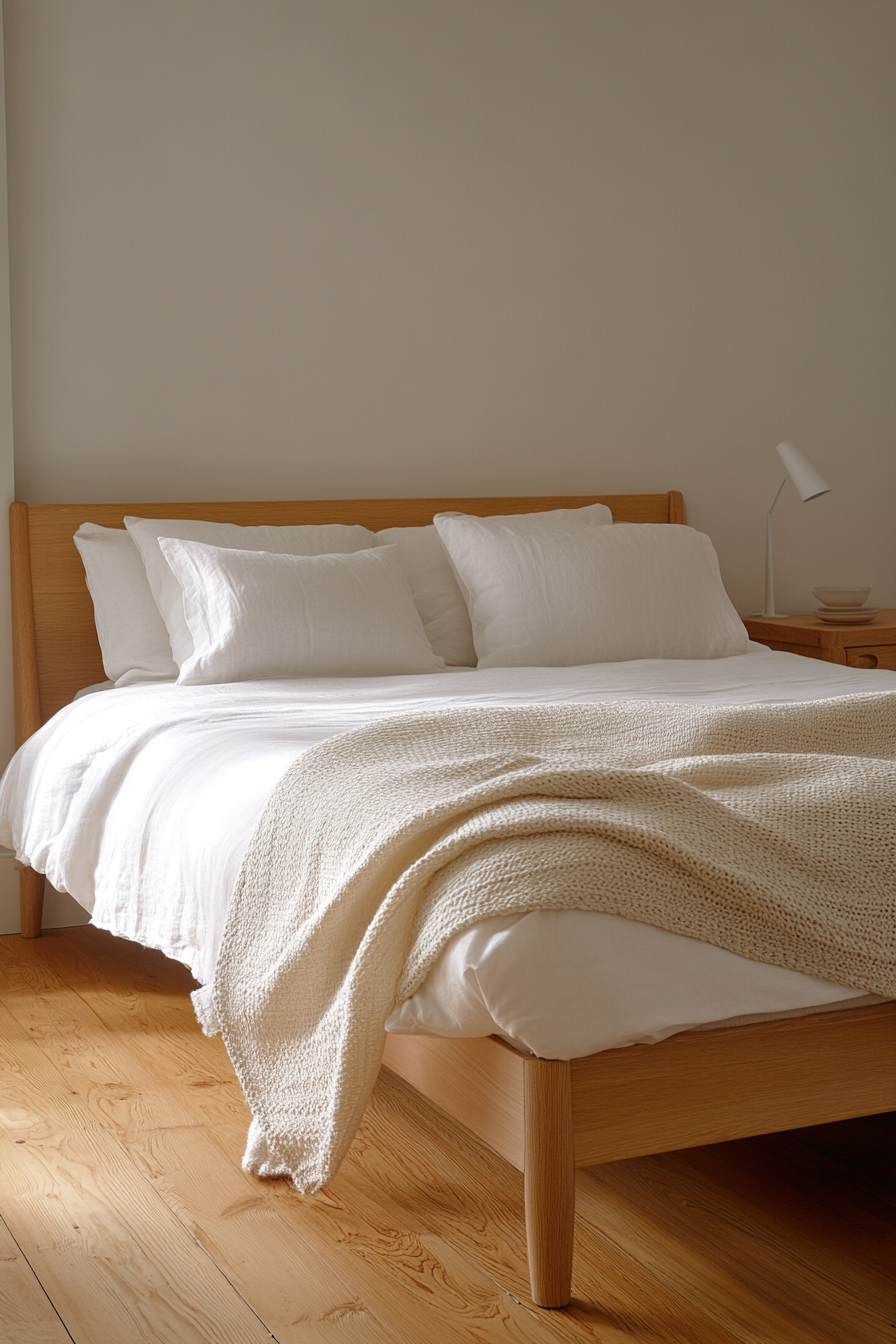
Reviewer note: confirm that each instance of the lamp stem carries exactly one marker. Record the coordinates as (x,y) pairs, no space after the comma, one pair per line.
(769,609)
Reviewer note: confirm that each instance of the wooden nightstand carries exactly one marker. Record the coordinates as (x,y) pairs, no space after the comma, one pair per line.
(871,645)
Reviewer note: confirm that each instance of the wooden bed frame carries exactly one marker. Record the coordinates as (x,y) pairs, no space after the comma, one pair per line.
(547,1117)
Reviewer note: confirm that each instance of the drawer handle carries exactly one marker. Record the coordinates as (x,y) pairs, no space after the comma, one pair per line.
(866,660)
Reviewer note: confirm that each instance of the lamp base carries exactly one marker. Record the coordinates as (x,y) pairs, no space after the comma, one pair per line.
(769,615)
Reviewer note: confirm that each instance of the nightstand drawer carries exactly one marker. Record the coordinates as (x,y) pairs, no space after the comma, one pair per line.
(873,655)
(867,645)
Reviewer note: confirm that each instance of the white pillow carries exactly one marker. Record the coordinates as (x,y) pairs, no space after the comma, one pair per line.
(307,539)
(548,520)
(571,595)
(440,601)
(133,639)
(437,597)
(252,614)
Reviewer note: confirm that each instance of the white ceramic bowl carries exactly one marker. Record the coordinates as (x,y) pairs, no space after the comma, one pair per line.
(841,597)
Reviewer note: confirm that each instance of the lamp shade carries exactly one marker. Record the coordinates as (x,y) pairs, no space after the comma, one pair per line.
(806,479)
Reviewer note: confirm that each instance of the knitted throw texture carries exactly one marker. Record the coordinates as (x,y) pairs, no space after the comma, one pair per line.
(769,830)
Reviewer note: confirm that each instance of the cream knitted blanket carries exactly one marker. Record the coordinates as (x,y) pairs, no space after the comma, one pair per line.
(769,830)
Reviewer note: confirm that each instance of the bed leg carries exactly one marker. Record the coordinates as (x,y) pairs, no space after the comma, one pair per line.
(31,901)
(550,1180)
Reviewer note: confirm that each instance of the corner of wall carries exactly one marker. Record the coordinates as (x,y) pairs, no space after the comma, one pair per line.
(8,872)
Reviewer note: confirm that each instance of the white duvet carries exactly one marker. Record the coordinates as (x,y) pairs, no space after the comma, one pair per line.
(141,802)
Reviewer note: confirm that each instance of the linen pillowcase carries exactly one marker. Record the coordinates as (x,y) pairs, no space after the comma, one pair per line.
(253,614)
(439,597)
(546,521)
(436,594)
(570,596)
(307,539)
(133,638)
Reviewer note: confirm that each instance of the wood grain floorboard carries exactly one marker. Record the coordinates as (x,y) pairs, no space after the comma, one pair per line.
(296,1293)
(120,1051)
(752,1270)
(27,1315)
(117,1265)
(122,1132)
(866,1155)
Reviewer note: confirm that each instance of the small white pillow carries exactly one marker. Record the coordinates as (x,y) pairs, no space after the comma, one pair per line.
(133,639)
(307,539)
(571,595)
(252,614)
(437,597)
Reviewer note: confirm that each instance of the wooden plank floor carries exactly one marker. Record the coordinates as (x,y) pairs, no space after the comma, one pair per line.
(125,1215)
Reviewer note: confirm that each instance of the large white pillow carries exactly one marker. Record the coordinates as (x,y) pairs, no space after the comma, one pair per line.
(252,614)
(437,596)
(308,539)
(569,595)
(133,638)
(441,603)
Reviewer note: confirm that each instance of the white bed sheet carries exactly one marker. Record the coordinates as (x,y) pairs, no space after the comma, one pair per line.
(140,802)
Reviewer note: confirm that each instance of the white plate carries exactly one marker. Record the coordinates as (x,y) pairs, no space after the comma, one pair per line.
(847,615)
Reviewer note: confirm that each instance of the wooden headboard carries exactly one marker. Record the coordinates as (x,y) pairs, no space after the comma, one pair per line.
(55,648)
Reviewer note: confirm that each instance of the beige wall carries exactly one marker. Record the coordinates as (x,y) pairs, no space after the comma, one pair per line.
(9,883)
(280,248)
(7,468)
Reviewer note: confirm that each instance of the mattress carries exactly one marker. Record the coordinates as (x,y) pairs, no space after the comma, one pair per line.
(140,803)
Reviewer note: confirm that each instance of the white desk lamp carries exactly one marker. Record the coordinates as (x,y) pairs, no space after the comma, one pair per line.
(808,485)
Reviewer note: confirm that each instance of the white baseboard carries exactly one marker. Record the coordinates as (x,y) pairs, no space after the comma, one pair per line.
(60,911)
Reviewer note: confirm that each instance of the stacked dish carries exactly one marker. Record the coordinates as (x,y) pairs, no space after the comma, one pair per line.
(844,606)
